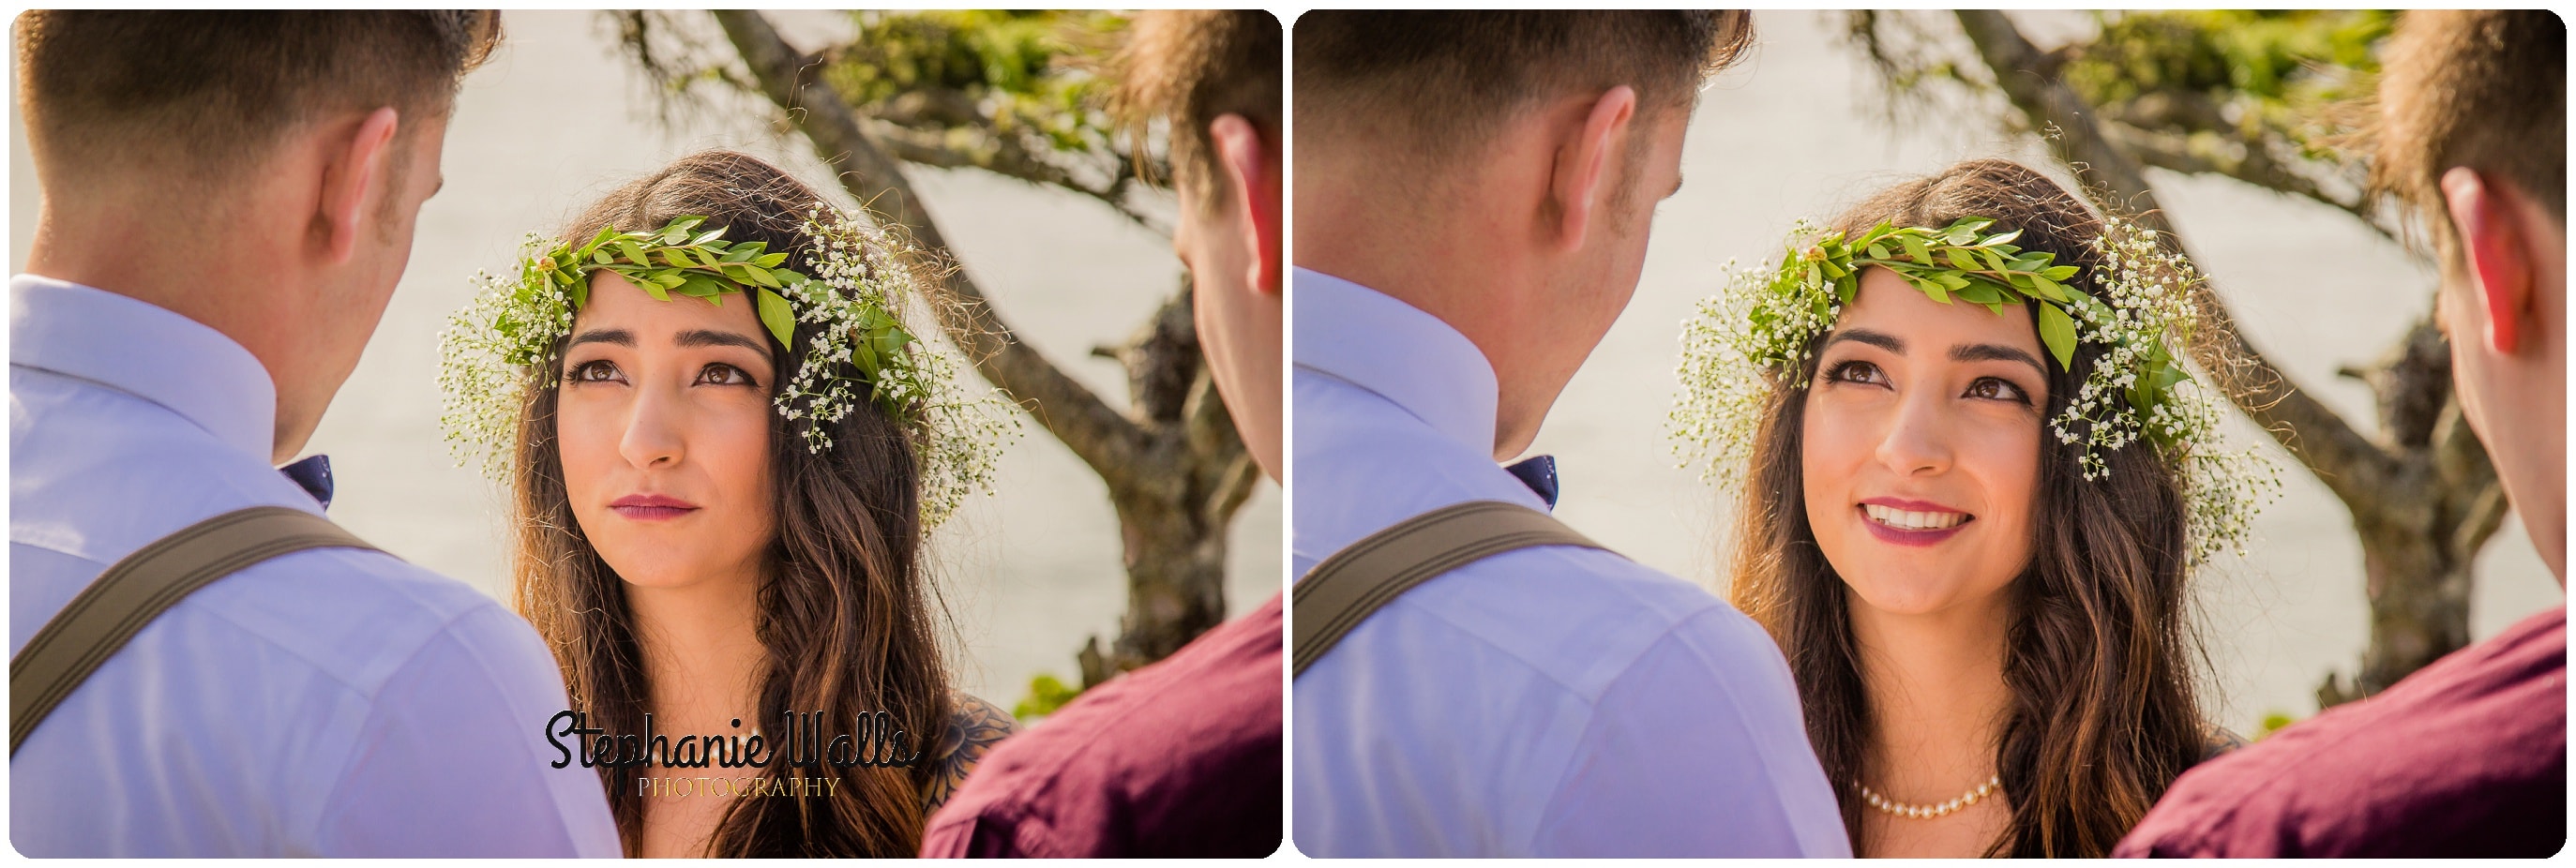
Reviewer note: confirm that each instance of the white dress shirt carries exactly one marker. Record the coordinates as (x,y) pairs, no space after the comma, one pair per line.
(326,703)
(1552,701)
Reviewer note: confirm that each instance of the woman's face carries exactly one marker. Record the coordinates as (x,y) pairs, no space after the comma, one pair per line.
(1922,447)
(663,425)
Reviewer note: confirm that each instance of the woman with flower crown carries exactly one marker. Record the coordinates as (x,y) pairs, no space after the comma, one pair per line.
(1976,481)
(724,447)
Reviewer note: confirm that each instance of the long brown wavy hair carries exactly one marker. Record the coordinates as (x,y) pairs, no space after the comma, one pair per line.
(845,587)
(2098,655)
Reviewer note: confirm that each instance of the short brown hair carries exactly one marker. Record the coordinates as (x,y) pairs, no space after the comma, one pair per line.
(1190,67)
(211,92)
(1446,80)
(2486,89)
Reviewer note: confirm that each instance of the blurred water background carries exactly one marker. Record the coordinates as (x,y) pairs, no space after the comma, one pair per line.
(555,120)
(1796,131)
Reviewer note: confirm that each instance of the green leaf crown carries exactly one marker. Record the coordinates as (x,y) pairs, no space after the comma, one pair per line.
(504,342)
(1761,328)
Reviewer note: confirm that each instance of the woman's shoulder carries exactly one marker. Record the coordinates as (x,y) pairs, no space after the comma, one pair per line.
(2216,741)
(973,727)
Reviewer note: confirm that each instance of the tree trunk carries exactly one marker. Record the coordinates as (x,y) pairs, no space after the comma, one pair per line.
(1175,468)
(2424,500)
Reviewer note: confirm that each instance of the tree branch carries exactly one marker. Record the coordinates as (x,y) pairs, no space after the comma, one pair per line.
(982,150)
(1099,435)
(2206,152)
(2348,463)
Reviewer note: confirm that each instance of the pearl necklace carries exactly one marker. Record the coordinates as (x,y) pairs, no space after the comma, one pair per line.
(1926,812)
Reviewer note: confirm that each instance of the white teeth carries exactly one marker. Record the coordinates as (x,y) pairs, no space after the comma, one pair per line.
(1909,520)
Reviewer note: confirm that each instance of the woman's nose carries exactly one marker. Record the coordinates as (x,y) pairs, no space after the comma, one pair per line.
(652,435)
(1917,440)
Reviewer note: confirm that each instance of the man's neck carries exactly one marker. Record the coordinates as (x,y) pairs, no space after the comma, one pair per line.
(179,263)
(1455,268)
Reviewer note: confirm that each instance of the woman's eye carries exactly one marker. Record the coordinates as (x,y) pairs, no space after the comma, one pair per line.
(600,371)
(1997,389)
(1856,372)
(725,375)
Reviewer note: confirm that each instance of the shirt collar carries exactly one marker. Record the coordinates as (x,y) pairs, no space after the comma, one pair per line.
(147,351)
(1398,351)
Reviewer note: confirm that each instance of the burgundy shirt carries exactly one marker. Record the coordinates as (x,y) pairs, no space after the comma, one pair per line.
(1180,758)
(2466,757)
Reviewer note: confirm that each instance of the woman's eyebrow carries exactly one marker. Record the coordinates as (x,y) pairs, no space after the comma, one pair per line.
(1995,353)
(1881,340)
(620,337)
(714,338)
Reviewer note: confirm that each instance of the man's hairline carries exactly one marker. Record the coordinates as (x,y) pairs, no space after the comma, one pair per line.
(1457,156)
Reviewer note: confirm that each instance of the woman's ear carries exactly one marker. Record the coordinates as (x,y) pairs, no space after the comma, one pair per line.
(352,170)
(1582,158)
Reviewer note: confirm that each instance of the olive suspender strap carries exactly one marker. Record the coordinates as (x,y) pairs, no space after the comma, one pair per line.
(1355,582)
(104,616)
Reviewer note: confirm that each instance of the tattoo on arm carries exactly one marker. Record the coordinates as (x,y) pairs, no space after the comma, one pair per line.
(972,731)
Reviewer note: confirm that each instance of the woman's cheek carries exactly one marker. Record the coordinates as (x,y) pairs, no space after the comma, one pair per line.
(583,439)
(740,462)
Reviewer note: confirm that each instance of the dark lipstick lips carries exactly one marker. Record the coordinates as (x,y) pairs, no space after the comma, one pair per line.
(651,507)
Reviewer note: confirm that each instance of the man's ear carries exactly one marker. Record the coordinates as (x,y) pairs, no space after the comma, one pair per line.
(352,169)
(1249,175)
(1582,159)
(2499,256)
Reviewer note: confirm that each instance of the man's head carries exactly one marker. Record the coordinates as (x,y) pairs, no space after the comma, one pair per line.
(1213,77)
(258,172)
(1499,169)
(2472,135)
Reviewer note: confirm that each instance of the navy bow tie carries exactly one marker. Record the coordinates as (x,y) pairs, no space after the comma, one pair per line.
(313,475)
(1540,475)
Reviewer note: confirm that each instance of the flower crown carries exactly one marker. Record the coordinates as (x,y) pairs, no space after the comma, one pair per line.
(1762,326)
(504,342)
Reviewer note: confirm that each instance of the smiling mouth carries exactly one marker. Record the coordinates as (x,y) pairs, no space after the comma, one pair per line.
(1903,519)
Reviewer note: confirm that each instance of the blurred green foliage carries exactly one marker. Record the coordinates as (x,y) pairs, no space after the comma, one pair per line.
(1017,93)
(1012,72)
(1046,694)
(2285,70)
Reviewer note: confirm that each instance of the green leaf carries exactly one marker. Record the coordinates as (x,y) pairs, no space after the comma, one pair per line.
(700,286)
(2060,273)
(2057,330)
(1914,247)
(1931,289)
(2048,289)
(2005,238)
(1960,258)
(772,260)
(654,289)
(775,314)
(633,252)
